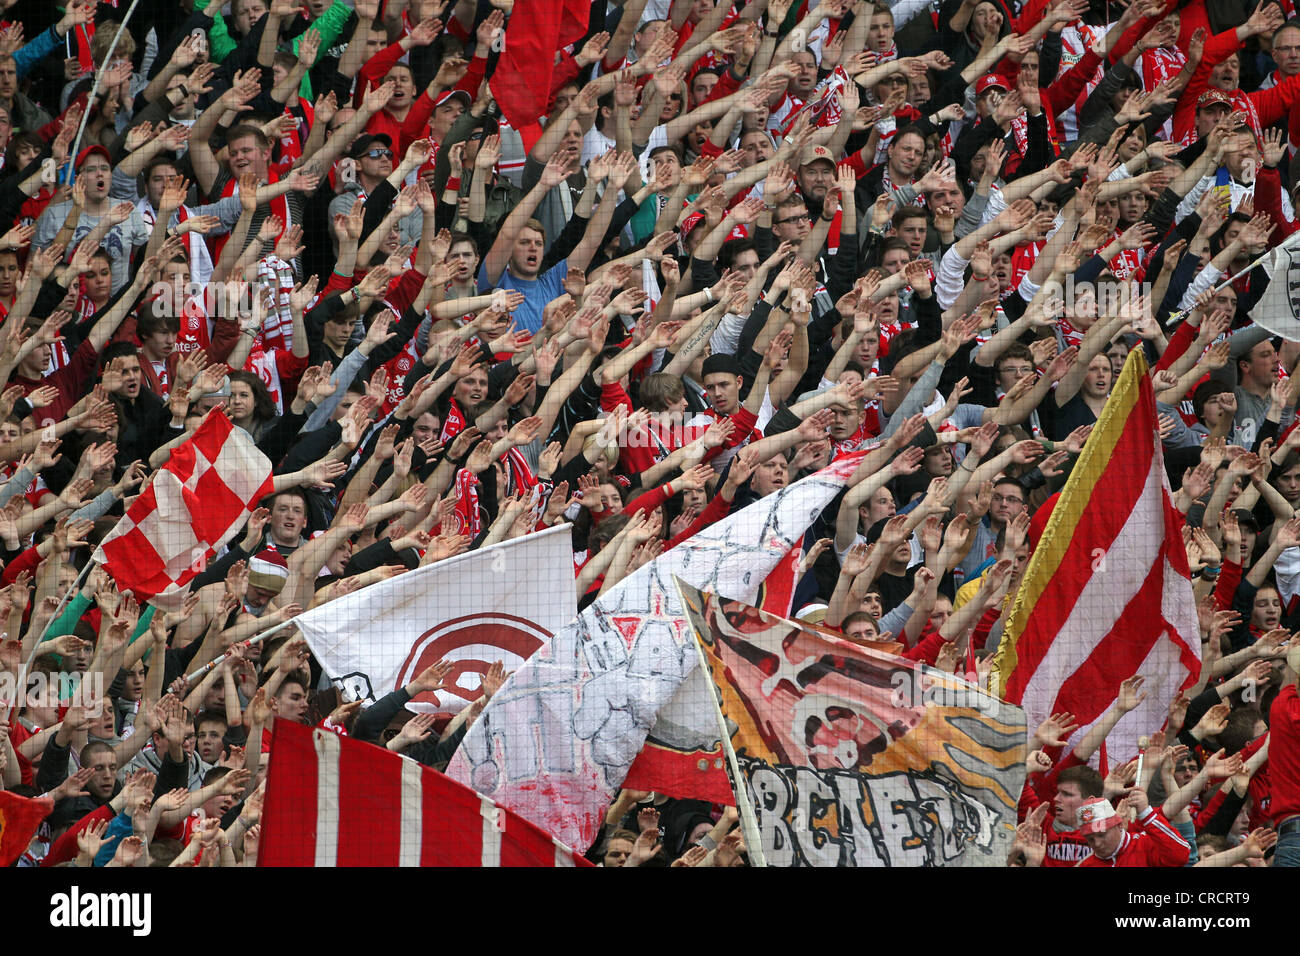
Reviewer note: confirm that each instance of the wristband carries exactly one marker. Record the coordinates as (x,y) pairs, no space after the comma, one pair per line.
(707,842)
(453,182)
(708,294)
(824,218)
(978,278)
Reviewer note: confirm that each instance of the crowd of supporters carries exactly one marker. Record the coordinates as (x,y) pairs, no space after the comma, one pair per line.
(745,239)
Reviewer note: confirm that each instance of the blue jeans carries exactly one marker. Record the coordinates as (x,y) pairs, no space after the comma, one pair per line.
(1287,851)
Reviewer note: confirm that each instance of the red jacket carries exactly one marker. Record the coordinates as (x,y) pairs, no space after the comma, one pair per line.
(1152,841)
(1284,754)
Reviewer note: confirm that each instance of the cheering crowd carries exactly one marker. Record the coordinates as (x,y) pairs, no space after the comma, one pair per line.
(736,242)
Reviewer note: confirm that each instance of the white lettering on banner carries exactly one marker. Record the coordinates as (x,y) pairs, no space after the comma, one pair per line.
(810,817)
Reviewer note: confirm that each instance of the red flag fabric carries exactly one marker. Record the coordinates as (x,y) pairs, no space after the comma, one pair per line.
(1107,593)
(537,29)
(334,801)
(19,818)
(193,506)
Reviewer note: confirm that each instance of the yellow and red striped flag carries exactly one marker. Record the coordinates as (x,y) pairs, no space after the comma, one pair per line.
(1107,593)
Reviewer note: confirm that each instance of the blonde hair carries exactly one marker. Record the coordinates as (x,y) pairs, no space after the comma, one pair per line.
(610,452)
(103,39)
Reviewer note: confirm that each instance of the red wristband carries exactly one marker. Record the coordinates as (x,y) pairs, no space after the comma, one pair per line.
(453,183)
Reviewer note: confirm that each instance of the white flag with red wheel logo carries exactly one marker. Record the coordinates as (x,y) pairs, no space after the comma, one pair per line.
(333,801)
(192,507)
(499,603)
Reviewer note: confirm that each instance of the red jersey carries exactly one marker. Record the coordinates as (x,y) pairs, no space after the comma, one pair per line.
(1284,755)
(1152,841)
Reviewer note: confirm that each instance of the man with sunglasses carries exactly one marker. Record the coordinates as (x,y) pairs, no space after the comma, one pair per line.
(372,154)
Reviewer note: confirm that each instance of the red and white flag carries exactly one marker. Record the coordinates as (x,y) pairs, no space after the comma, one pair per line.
(334,801)
(192,507)
(1107,593)
(499,603)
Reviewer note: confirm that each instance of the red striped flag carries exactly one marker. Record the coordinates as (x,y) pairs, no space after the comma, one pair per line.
(1107,593)
(334,801)
(188,512)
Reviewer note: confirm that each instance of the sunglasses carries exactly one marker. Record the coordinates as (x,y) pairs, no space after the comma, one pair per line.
(380,154)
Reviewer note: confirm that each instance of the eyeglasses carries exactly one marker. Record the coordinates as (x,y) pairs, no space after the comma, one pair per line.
(1007,500)
(380,154)
(675,96)
(802,217)
(1019,370)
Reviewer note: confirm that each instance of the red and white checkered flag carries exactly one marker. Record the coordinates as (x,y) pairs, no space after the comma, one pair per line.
(188,512)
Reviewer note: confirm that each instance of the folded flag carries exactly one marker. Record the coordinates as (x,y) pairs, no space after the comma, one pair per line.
(19,819)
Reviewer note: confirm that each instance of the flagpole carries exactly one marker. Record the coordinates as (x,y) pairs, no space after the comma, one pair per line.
(255,639)
(1289,241)
(94,88)
(753,839)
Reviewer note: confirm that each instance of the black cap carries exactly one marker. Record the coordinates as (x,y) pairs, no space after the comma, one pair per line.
(721,362)
(366,141)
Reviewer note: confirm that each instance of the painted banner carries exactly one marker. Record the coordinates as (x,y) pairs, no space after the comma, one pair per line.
(556,742)
(858,758)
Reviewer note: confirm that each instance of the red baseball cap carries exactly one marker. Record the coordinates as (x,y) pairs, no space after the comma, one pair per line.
(690,222)
(991,80)
(90,151)
(1213,97)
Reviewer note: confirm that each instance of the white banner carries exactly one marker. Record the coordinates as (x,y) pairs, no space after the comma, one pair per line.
(500,603)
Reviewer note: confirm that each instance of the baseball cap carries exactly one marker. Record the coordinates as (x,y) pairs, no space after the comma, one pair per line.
(367,141)
(1213,97)
(458,94)
(89,151)
(817,154)
(1097,816)
(990,80)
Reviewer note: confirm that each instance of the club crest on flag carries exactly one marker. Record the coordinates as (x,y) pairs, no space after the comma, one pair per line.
(428,615)
(1278,309)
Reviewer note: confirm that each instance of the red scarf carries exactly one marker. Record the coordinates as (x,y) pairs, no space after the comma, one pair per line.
(279,207)
(455,423)
(467,516)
